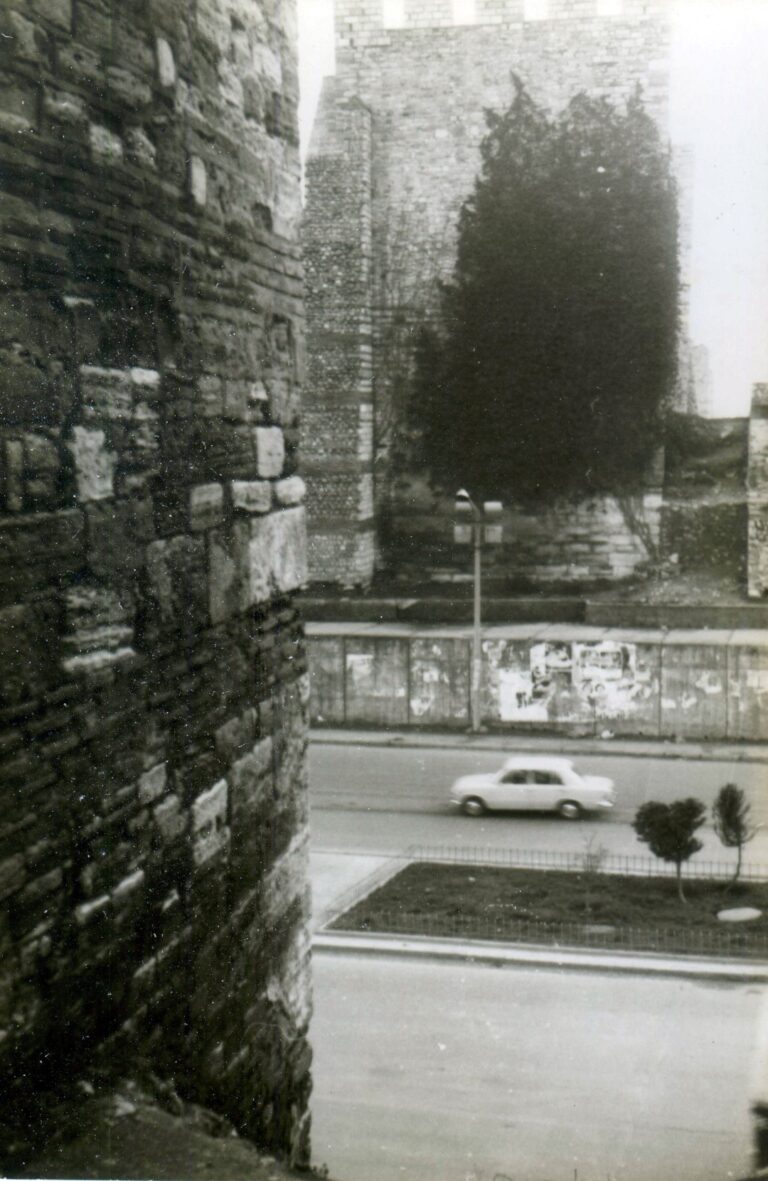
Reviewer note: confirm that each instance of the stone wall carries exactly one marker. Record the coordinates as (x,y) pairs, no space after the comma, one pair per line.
(590,542)
(337,430)
(153,840)
(422,90)
(757,495)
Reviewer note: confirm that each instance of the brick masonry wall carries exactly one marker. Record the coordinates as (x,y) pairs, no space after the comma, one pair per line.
(337,431)
(153,703)
(424,87)
(757,495)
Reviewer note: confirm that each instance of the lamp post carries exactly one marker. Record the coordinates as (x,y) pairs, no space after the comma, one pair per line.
(485,525)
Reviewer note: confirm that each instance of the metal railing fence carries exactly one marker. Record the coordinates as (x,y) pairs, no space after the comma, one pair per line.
(728,942)
(626,864)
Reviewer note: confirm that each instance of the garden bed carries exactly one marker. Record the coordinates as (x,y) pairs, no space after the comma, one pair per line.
(564,908)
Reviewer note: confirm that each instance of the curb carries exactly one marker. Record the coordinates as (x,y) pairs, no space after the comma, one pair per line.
(530,955)
(552,745)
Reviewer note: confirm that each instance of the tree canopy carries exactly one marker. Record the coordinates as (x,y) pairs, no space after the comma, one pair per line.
(733,825)
(668,831)
(558,340)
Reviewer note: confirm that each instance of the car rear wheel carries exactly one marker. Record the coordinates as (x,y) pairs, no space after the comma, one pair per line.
(473,806)
(569,810)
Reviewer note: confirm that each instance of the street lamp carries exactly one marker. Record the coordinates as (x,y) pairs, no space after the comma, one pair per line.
(473,526)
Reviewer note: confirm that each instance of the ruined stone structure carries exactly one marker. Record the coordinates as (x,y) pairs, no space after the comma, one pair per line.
(757,495)
(394,154)
(153,840)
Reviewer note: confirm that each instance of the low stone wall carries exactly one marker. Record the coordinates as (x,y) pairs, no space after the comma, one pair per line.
(589,542)
(553,677)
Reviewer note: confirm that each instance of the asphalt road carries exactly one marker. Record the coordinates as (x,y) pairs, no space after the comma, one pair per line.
(468,1073)
(383,800)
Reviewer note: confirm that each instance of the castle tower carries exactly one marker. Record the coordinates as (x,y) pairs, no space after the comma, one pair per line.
(395,154)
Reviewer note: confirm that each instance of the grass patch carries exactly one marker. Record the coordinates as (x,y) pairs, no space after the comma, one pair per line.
(609,910)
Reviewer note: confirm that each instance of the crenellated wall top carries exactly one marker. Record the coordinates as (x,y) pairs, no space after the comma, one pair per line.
(359,17)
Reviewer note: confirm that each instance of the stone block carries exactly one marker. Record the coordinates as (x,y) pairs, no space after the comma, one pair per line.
(13,875)
(249,773)
(290,491)
(152,783)
(127,87)
(13,475)
(25,37)
(206,507)
(270,451)
(166,64)
(236,736)
(277,561)
(141,149)
(106,147)
(210,834)
(56,12)
(289,550)
(170,820)
(64,107)
(176,570)
(198,181)
(251,496)
(18,111)
(94,464)
(126,889)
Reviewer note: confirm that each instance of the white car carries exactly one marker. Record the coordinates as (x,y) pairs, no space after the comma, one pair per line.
(534,783)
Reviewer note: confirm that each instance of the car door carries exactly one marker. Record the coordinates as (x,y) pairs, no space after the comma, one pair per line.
(545,789)
(511,789)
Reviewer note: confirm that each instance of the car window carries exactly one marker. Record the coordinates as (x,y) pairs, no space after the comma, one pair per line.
(514,777)
(546,777)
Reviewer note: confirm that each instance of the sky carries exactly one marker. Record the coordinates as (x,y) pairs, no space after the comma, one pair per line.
(719,111)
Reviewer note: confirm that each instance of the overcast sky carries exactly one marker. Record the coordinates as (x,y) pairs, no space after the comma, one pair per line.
(720,109)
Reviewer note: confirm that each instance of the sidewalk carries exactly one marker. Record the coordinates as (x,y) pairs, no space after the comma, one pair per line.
(549,744)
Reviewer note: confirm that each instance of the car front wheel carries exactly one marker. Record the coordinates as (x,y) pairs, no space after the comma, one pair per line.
(569,810)
(473,806)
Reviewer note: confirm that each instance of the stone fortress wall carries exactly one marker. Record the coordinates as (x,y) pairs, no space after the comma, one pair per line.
(153,700)
(394,154)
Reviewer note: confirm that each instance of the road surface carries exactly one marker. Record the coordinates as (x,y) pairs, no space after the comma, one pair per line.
(382,800)
(462,1072)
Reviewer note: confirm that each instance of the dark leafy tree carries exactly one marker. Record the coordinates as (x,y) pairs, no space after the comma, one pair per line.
(668,831)
(731,815)
(560,325)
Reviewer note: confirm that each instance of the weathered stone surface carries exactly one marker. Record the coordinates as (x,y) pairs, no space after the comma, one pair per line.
(198,181)
(106,147)
(152,783)
(277,561)
(206,507)
(290,491)
(270,451)
(210,834)
(94,463)
(166,65)
(252,496)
